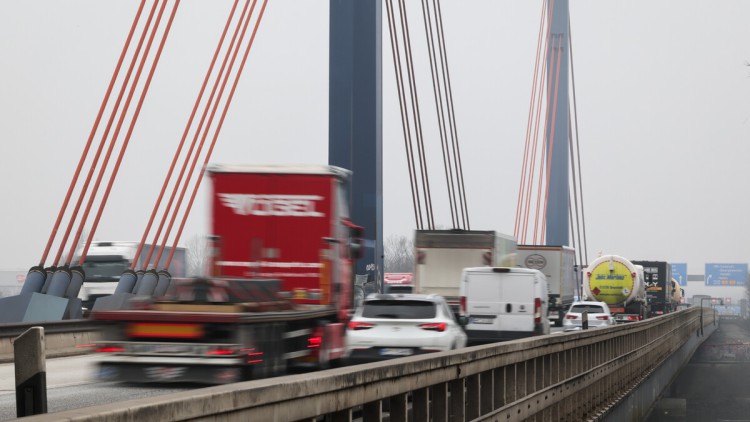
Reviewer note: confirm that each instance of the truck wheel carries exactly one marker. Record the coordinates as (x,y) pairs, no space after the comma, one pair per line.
(560,317)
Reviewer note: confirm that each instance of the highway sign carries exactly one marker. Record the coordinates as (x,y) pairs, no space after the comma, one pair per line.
(679,273)
(726,274)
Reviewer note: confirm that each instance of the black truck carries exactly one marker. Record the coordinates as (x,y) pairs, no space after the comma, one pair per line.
(658,279)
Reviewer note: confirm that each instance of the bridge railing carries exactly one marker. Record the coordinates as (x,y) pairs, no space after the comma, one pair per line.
(570,376)
(62,338)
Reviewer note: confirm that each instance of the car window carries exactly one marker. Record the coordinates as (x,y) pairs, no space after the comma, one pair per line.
(399,309)
(448,313)
(592,309)
(399,289)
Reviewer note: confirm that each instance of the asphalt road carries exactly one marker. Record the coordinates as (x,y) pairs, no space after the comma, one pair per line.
(71,385)
(714,385)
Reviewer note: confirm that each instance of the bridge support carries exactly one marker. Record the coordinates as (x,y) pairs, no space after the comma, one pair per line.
(355,118)
(558,116)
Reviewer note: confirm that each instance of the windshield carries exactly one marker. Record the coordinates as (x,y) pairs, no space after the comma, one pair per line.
(399,309)
(104,270)
(592,309)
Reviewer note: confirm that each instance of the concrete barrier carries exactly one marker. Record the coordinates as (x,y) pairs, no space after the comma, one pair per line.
(570,376)
(63,338)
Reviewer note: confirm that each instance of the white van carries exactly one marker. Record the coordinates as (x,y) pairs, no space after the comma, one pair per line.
(504,303)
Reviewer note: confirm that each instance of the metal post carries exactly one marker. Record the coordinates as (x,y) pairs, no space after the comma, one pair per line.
(585,320)
(31,372)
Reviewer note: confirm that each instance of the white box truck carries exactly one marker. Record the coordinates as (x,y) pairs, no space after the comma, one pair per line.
(558,263)
(441,255)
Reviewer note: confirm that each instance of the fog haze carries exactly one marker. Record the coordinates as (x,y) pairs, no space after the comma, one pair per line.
(663,93)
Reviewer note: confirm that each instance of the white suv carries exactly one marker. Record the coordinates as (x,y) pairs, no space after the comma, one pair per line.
(394,325)
(598,315)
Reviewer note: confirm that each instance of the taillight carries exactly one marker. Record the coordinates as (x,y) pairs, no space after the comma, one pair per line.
(571,317)
(109,349)
(462,304)
(438,326)
(603,317)
(220,352)
(314,342)
(632,318)
(537,310)
(356,326)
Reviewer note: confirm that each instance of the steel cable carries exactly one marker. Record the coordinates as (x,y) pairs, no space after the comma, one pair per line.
(133,121)
(182,142)
(92,134)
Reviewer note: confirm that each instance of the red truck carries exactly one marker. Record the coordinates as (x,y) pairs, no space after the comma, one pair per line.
(279,292)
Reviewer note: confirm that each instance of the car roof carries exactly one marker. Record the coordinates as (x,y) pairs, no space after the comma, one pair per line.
(503,270)
(404,296)
(589,302)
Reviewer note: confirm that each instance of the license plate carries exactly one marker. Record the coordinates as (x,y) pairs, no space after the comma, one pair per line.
(162,348)
(482,320)
(164,373)
(396,352)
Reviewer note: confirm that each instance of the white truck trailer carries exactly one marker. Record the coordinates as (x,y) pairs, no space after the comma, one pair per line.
(441,255)
(558,263)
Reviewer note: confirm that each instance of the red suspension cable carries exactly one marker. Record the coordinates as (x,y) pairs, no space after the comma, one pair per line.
(126,141)
(182,140)
(103,141)
(527,142)
(218,130)
(105,101)
(156,243)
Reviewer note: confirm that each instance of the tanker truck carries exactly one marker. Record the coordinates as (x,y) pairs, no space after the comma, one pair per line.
(677,294)
(619,283)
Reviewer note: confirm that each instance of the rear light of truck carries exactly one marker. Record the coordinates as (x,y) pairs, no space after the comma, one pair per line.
(314,342)
(603,317)
(537,310)
(253,356)
(356,326)
(164,330)
(462,304)
(221,352)
(109,349)
(438,326)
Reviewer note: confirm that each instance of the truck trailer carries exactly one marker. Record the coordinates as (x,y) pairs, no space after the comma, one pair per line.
(618,282)
(441,256)
(659,287)
(558,263)
(279,293)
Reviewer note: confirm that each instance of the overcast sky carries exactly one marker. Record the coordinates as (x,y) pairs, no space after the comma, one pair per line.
(663,98)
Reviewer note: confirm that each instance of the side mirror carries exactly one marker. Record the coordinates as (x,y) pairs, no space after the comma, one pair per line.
(356,234)
(355,249)
(463,320)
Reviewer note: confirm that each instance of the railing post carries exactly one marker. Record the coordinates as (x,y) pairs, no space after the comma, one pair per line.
(31,372)
(585,320)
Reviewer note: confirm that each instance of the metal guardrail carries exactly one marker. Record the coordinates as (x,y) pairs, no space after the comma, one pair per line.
(570,376)
(62,338)
(69,326)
